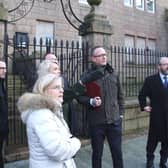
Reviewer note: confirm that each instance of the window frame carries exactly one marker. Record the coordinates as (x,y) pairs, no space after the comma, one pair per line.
(44,37)
(83,2)
(143,5)
(21,39)
(147,9)
(130,4)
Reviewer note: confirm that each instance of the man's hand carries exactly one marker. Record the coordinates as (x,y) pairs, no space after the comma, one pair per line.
(96,101)
(147,108)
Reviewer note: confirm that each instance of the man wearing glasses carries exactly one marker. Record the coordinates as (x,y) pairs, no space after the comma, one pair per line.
(105,101)
(3,111)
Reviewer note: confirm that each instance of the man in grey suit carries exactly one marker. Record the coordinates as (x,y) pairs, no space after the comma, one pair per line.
(156,89)
(105,101)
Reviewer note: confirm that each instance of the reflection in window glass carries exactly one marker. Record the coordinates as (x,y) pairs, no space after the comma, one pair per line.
(140,4)
(150,5)
(128,2)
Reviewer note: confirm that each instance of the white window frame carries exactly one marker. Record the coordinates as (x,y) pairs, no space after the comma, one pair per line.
(83,2)
(128,3)
(153,6)
(139,4)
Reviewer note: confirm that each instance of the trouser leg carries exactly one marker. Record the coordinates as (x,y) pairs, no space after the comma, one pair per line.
(150,149)
(97,142)
(164,152)
(114,137)
(1,152)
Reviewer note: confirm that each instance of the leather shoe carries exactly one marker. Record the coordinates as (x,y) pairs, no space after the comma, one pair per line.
(149,164)
(163,165)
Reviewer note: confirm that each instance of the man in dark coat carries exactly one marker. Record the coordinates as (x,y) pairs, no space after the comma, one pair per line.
(105,101)
(3,112)
(156,89)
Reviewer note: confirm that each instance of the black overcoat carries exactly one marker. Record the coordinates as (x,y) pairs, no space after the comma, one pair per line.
(3,110)
(158,95)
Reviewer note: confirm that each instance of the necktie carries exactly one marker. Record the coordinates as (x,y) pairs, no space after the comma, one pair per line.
(165,82)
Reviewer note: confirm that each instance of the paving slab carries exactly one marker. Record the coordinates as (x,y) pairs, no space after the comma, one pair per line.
(133,154)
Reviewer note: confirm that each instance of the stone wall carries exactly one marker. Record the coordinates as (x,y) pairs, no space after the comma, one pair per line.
(134,120)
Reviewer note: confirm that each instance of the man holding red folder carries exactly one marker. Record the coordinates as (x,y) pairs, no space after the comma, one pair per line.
(105,101)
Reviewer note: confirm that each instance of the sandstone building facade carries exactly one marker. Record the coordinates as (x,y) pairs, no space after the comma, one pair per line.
(136,23)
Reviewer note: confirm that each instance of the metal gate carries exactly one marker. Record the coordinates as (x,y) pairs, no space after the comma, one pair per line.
(22,59)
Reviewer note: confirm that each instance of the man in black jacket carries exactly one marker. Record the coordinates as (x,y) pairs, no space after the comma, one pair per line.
(156,89)
(105,101)
(3,111)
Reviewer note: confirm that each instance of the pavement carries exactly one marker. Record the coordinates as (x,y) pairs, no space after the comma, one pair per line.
(133,154)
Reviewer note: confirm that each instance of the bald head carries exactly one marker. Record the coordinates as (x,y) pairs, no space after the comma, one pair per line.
(163,60)
(163,65)
(2,69)
(50,56)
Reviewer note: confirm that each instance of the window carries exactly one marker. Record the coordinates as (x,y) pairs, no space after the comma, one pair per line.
(21,39)
(145,5)
(83,2)
(151,46)
(44,30)
(139,4)
(150,6)
(128,3)
(129,44)
(140,45)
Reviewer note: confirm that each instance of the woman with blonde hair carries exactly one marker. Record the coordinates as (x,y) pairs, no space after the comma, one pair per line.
(50,142)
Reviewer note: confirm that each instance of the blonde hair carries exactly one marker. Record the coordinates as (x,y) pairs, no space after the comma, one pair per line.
(43,82)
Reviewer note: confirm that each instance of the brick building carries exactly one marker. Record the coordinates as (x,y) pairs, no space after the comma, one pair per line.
(136,23)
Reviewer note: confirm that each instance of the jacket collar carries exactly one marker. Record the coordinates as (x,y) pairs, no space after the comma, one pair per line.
(106,67)
(30,102)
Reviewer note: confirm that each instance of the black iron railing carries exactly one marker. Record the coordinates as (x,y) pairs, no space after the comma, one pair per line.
(133,65)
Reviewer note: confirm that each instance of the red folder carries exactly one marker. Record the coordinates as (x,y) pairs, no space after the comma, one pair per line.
(93,89)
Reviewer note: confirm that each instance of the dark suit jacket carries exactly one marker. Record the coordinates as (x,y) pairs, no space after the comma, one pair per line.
(158,96)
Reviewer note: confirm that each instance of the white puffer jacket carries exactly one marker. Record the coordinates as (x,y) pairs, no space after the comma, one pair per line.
(51,144)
